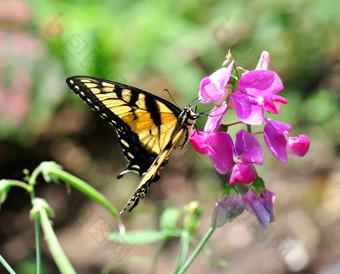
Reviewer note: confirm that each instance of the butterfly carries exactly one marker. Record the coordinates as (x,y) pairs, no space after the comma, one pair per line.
(148,127)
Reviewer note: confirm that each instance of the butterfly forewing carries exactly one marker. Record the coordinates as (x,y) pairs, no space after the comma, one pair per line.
(144,122)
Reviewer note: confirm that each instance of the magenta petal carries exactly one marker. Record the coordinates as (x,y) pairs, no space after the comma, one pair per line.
(275,141)
(198,141)
(269,105)
(203,93)
(249,147)
(260,82)
(280,126)
(298,145)
(215,94)
(221,151)
(247,109)
(242,173)
(277,98)
(220,77)
(264,62)
(271,102)
(215,117)
(212,88)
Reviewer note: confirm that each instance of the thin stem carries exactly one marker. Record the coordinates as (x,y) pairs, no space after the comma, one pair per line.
(37,244)
(33,178)
(32,182)
(37,235)
(6,265)
(184,249)
(197,250)
(58,255)
(156,257)
(16,183)
(257,133)
(224,127)
(249,128)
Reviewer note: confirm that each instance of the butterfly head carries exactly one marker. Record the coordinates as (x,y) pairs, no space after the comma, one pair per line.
(188,116)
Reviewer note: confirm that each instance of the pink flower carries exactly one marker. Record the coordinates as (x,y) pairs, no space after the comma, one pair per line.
(225,156)
(276,137)
(212,88)
(260,204)
(257,92)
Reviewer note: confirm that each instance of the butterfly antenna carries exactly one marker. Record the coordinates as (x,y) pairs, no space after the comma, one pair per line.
(197,98)
(205,113)
(197,103)
(173,100)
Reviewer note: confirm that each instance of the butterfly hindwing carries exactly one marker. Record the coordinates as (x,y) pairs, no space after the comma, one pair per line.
(144,122)
(148,178)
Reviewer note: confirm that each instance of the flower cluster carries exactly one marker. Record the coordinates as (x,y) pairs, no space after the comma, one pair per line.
(251,94)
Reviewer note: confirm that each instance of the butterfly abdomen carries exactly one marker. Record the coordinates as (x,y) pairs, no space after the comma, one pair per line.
(188,121)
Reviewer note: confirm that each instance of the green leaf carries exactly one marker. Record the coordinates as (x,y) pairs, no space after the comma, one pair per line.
(258,184)
(138,237)
(169,218)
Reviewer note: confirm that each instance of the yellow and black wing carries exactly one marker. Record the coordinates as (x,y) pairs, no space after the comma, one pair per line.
(148,126)
(153,171)
(144,122)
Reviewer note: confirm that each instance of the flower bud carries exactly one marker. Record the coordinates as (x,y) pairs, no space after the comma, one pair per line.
(260,204)
(298,145)
(226,210)
(264,62)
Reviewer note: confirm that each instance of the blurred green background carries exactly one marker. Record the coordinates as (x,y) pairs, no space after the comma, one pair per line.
(172,45)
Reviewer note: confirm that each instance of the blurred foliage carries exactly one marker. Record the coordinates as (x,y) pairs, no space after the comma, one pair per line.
(179,42)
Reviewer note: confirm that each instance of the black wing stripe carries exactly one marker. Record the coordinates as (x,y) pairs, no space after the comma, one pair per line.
(133,99)
(153,108)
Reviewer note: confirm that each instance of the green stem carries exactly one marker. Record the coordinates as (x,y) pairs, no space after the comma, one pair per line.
(6,265)
(33,178)
(16,183)
(58,255)
(156,257)
(37,245)
(32,182)
(197,250)
(184,249)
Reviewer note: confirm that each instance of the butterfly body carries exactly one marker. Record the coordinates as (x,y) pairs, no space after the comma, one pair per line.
(148,127)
